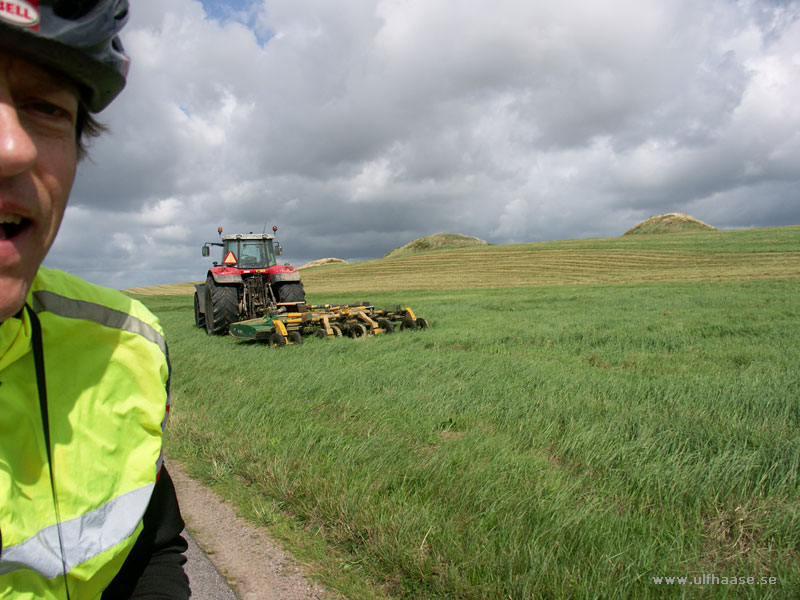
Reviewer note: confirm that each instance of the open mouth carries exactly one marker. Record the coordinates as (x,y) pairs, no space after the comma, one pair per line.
(12,225)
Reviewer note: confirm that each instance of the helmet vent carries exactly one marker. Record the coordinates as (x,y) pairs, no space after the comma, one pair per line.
(73,9)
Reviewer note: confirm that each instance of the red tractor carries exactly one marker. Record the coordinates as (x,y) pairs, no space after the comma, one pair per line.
(248,284)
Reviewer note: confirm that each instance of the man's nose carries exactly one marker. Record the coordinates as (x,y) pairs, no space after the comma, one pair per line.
(17,150)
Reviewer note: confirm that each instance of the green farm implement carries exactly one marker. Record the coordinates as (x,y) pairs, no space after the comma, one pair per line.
(290,322)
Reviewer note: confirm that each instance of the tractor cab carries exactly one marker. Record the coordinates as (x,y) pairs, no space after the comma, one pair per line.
(247,251)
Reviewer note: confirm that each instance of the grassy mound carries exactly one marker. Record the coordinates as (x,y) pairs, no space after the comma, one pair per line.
(321,262)
(437,241)
(669,223)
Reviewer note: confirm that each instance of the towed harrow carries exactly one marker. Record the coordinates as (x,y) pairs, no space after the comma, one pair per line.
(292,321)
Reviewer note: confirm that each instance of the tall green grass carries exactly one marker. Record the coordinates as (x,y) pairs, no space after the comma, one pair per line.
(538,442)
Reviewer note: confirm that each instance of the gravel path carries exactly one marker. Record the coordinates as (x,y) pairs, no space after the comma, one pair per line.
(207,583)
(249,560)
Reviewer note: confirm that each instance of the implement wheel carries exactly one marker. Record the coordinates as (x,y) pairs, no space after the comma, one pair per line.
(386,325)
(337,332)
(276,339)
(321,334)
(199,318)
(357,330)
(222,307)
(422,323)
(295,337)
(408,323)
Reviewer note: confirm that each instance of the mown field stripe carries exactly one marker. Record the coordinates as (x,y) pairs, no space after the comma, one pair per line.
(738,255)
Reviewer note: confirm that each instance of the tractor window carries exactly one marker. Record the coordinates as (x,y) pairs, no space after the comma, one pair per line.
(251,254)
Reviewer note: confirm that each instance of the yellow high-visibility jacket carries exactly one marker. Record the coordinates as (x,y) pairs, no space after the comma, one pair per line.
(107,376)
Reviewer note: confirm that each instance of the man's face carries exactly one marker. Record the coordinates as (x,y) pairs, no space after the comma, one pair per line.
(38,157)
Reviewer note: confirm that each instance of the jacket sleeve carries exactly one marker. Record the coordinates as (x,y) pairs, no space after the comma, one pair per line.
(154,568)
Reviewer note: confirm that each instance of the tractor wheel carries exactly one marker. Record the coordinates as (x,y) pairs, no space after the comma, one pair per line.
(295,337)
(386,325)
(422,323)
(222,307)
(199,318)
(276,339)
(357,330)
(290,292)
(408,323)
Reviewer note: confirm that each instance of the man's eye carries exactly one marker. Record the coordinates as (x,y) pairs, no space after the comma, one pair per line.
(51,113)
(49,109)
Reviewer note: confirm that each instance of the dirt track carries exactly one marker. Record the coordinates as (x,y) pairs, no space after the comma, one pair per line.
(253,564)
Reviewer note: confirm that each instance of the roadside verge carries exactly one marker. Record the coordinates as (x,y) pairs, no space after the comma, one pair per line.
(253,564)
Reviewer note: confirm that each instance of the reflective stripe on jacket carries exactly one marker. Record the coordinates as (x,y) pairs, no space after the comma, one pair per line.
(107,374)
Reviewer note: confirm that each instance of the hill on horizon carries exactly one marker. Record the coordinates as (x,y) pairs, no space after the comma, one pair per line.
(670,223)
(321,262)
(437,241)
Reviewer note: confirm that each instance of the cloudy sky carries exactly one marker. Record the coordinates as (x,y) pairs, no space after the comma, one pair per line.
(356,126)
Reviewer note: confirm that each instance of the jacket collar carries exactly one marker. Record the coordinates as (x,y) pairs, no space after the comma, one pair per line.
(15,339)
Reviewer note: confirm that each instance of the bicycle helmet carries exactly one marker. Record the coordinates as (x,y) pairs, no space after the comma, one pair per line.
(77,38)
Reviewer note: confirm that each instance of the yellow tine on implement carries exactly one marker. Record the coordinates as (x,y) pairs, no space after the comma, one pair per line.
(363,316)
(279,327)
(327,324)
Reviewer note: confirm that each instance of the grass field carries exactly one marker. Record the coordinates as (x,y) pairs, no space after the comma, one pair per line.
(540,440)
